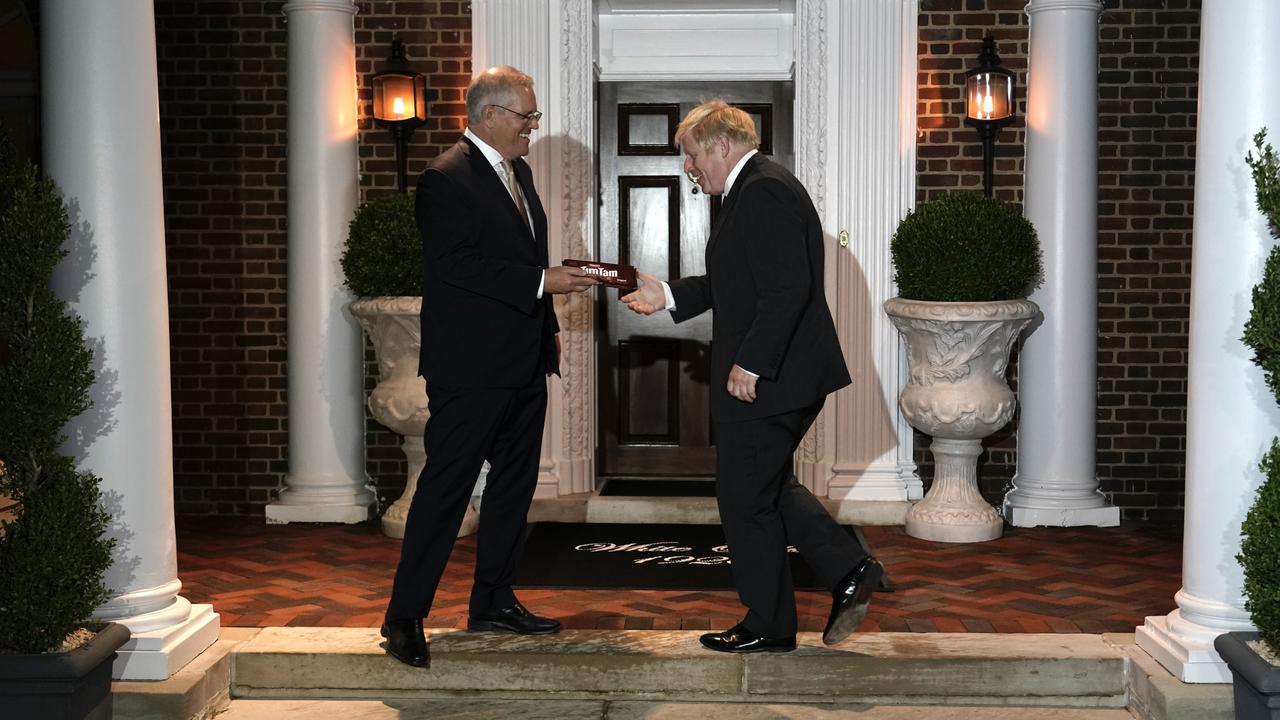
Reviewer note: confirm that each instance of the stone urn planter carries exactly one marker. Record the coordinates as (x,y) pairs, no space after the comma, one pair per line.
(75,684)
(957,353)
(399,401)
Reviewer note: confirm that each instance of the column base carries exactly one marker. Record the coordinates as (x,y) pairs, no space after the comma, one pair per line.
(1188,660)
(158,654)
(1107,516)
(281,514)
(881,482)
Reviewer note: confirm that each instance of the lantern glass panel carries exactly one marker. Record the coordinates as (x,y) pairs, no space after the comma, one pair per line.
(990,95)
(420,97)
(394,97)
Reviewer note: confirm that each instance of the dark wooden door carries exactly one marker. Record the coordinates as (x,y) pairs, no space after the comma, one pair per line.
(654,384)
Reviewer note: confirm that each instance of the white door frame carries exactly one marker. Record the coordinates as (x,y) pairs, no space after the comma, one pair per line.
(855,118)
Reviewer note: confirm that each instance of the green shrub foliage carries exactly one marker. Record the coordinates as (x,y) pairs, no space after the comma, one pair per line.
(53,554)
(52,558)
(1260,532)
(1260,551)
(1262,331)
(965,247)
(383,255)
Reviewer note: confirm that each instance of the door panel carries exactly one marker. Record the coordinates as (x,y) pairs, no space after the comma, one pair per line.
(654,392)
(650,392)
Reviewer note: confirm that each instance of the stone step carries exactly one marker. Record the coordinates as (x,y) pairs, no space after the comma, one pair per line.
(1081,671)
(485,709)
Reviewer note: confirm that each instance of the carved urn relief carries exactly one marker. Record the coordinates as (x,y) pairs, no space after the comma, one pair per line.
(957,353)
(399,401)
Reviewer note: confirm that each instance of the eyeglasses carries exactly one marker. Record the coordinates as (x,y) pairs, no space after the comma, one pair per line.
(529,117)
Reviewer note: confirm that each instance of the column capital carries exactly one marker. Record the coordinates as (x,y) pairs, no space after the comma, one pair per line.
(346,6)
(1035,6)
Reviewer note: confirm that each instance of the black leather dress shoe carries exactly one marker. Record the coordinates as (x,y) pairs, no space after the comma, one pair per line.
(514,619)
(406,642)
(850,598)
(738,639)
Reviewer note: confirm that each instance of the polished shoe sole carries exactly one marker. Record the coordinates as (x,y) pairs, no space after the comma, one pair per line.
(487,626)
(750,650)
(849,620)
(410,661)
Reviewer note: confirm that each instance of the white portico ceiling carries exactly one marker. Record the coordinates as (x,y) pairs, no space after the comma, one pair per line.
(694,39)
(674,7)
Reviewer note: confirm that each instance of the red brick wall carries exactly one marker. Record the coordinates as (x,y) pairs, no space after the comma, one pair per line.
(1146,161)
(1148,52)
(222,107)
(223,94)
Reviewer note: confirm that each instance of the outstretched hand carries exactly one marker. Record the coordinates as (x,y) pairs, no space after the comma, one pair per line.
(564,279)
(648,298)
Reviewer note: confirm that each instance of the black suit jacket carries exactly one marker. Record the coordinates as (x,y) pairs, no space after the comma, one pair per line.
(482,322)
(764,281)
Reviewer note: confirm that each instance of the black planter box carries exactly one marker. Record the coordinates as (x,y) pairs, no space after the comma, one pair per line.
(62,686)
(1255,682)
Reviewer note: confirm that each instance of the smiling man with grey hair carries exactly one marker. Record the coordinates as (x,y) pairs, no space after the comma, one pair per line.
(488,343)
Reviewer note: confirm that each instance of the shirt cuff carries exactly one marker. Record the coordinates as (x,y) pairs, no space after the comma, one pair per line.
(541,283)
(671,299)
(754,375)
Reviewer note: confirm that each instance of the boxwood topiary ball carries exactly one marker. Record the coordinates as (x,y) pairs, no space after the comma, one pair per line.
(383,255)
(965,247)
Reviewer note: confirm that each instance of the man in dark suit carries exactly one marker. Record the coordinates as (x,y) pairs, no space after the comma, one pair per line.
(488,344)
(774,358)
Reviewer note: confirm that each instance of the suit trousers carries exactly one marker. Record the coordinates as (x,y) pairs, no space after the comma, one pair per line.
(468,426)
(763,509)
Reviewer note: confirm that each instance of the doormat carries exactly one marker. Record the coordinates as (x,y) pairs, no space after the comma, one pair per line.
(641,557)
(657,487)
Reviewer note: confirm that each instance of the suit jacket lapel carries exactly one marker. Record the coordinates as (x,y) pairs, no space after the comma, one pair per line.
(726,206)
(498,186)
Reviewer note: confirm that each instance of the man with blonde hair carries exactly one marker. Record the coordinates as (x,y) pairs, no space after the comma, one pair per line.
(774,358)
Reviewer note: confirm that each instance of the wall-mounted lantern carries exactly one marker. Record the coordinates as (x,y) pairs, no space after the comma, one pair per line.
(399,104)
(989,104)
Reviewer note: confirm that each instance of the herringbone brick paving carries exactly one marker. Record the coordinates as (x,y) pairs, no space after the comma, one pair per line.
(1032,580)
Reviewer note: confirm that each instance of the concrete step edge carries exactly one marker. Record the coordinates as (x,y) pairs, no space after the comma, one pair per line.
(874,667)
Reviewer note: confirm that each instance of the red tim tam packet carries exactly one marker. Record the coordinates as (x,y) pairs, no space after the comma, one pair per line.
(614,275)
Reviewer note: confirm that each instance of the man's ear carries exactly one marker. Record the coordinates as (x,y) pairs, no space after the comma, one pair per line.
(722,145)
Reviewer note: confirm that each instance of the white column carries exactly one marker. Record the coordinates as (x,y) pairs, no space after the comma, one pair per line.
(857,159)
(551,41)
(102,148)
(326,480)
(1231,416)
(1056,482)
